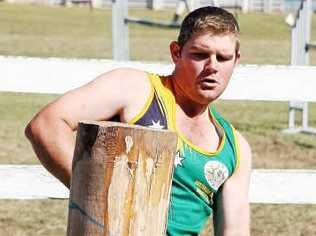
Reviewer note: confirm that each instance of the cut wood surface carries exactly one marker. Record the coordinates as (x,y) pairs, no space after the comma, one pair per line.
(121,180)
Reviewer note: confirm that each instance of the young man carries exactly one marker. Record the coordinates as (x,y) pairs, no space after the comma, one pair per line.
(213,162)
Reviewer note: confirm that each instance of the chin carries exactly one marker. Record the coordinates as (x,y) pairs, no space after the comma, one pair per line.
(205,100)
(208,97)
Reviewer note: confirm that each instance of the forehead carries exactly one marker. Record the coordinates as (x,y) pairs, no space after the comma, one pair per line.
(226,43)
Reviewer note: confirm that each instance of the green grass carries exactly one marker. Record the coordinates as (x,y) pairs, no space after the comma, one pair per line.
(262,123)
(54,32)
(40,31)
(16,110)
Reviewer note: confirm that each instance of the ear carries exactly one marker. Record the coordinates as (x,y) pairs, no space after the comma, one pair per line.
(175,51)
(237,59)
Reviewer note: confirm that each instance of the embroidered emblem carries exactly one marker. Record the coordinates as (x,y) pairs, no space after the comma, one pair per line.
(215,173)
(204,192)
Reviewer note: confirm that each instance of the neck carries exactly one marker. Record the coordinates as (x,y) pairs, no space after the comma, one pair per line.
(190,107)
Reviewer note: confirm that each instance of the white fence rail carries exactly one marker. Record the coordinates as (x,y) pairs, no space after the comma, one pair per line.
(249,82)
(267,186)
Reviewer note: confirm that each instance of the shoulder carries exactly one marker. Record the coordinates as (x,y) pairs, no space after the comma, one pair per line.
(241,175)
(128,88)
(117,92)
(244,147)
(244,162)
(123,84)
(123,77)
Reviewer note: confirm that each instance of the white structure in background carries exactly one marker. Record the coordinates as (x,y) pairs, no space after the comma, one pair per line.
(155,4)
(190,5)
(300,47)
(266,6)
(245,5)
(249,82)
(266,186)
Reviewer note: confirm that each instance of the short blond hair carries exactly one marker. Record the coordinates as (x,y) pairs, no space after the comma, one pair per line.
(214,20)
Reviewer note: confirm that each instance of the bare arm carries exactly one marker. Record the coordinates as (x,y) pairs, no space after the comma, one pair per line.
(51,132)
(232,214)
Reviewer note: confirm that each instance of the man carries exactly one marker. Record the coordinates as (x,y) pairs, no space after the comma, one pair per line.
(213,162)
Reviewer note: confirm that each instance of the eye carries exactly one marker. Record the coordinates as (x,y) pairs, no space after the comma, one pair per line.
(199,55)
(223,58)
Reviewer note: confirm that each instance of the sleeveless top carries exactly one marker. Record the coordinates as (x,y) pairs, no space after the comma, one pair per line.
(198,174)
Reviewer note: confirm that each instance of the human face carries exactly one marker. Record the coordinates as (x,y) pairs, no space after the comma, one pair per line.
(204,65)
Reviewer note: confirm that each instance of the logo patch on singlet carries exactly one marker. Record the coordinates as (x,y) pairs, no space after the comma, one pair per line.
(215,173)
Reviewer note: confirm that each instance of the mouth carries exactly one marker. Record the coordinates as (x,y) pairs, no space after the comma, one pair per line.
(208,83)
(208,80)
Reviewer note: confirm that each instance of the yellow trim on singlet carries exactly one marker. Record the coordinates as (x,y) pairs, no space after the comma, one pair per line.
(146,106)
(166,98)
(237,147)
(199,149)
(169,101)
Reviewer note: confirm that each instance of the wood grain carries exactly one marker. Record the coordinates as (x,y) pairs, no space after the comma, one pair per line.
(121,180)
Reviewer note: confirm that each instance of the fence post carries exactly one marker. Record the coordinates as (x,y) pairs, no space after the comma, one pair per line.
(308,26)
(121,180)
(267,6)
(155,4)
(300,38)
(120,38)
(305,116)
(245,6)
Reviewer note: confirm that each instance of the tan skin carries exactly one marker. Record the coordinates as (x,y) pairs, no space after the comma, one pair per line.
(203,67)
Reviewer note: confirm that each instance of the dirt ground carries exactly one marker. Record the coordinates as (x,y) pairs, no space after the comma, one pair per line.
(49,218)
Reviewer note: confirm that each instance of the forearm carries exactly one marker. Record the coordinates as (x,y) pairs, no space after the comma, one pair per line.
(53,142)
(232,215)
(241,226)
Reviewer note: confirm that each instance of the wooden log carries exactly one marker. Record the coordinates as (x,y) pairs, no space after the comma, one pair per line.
(121,180)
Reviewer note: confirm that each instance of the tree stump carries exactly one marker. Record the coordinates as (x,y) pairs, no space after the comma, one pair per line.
(121,180)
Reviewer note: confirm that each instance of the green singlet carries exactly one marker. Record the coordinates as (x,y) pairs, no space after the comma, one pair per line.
(198,174)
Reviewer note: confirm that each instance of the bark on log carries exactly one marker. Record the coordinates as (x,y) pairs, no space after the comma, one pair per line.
(121,180)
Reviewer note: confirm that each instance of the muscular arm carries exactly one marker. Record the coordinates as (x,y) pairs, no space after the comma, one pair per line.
(51,131)
(232,214)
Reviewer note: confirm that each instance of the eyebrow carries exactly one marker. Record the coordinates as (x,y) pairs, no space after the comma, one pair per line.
(206,50)
(199,48)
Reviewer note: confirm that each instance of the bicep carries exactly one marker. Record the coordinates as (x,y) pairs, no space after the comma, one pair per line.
(100,99)
(232,203)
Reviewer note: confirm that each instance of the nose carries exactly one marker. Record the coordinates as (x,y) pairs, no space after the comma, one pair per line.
(212,63)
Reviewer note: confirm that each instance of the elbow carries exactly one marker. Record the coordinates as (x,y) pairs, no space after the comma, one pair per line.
(30,130)
(39,123)
(36,127)
(33,133)
(38,131)
(44,126)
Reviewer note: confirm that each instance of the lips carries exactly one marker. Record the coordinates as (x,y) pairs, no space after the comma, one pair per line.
(206,80)
(207,83)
